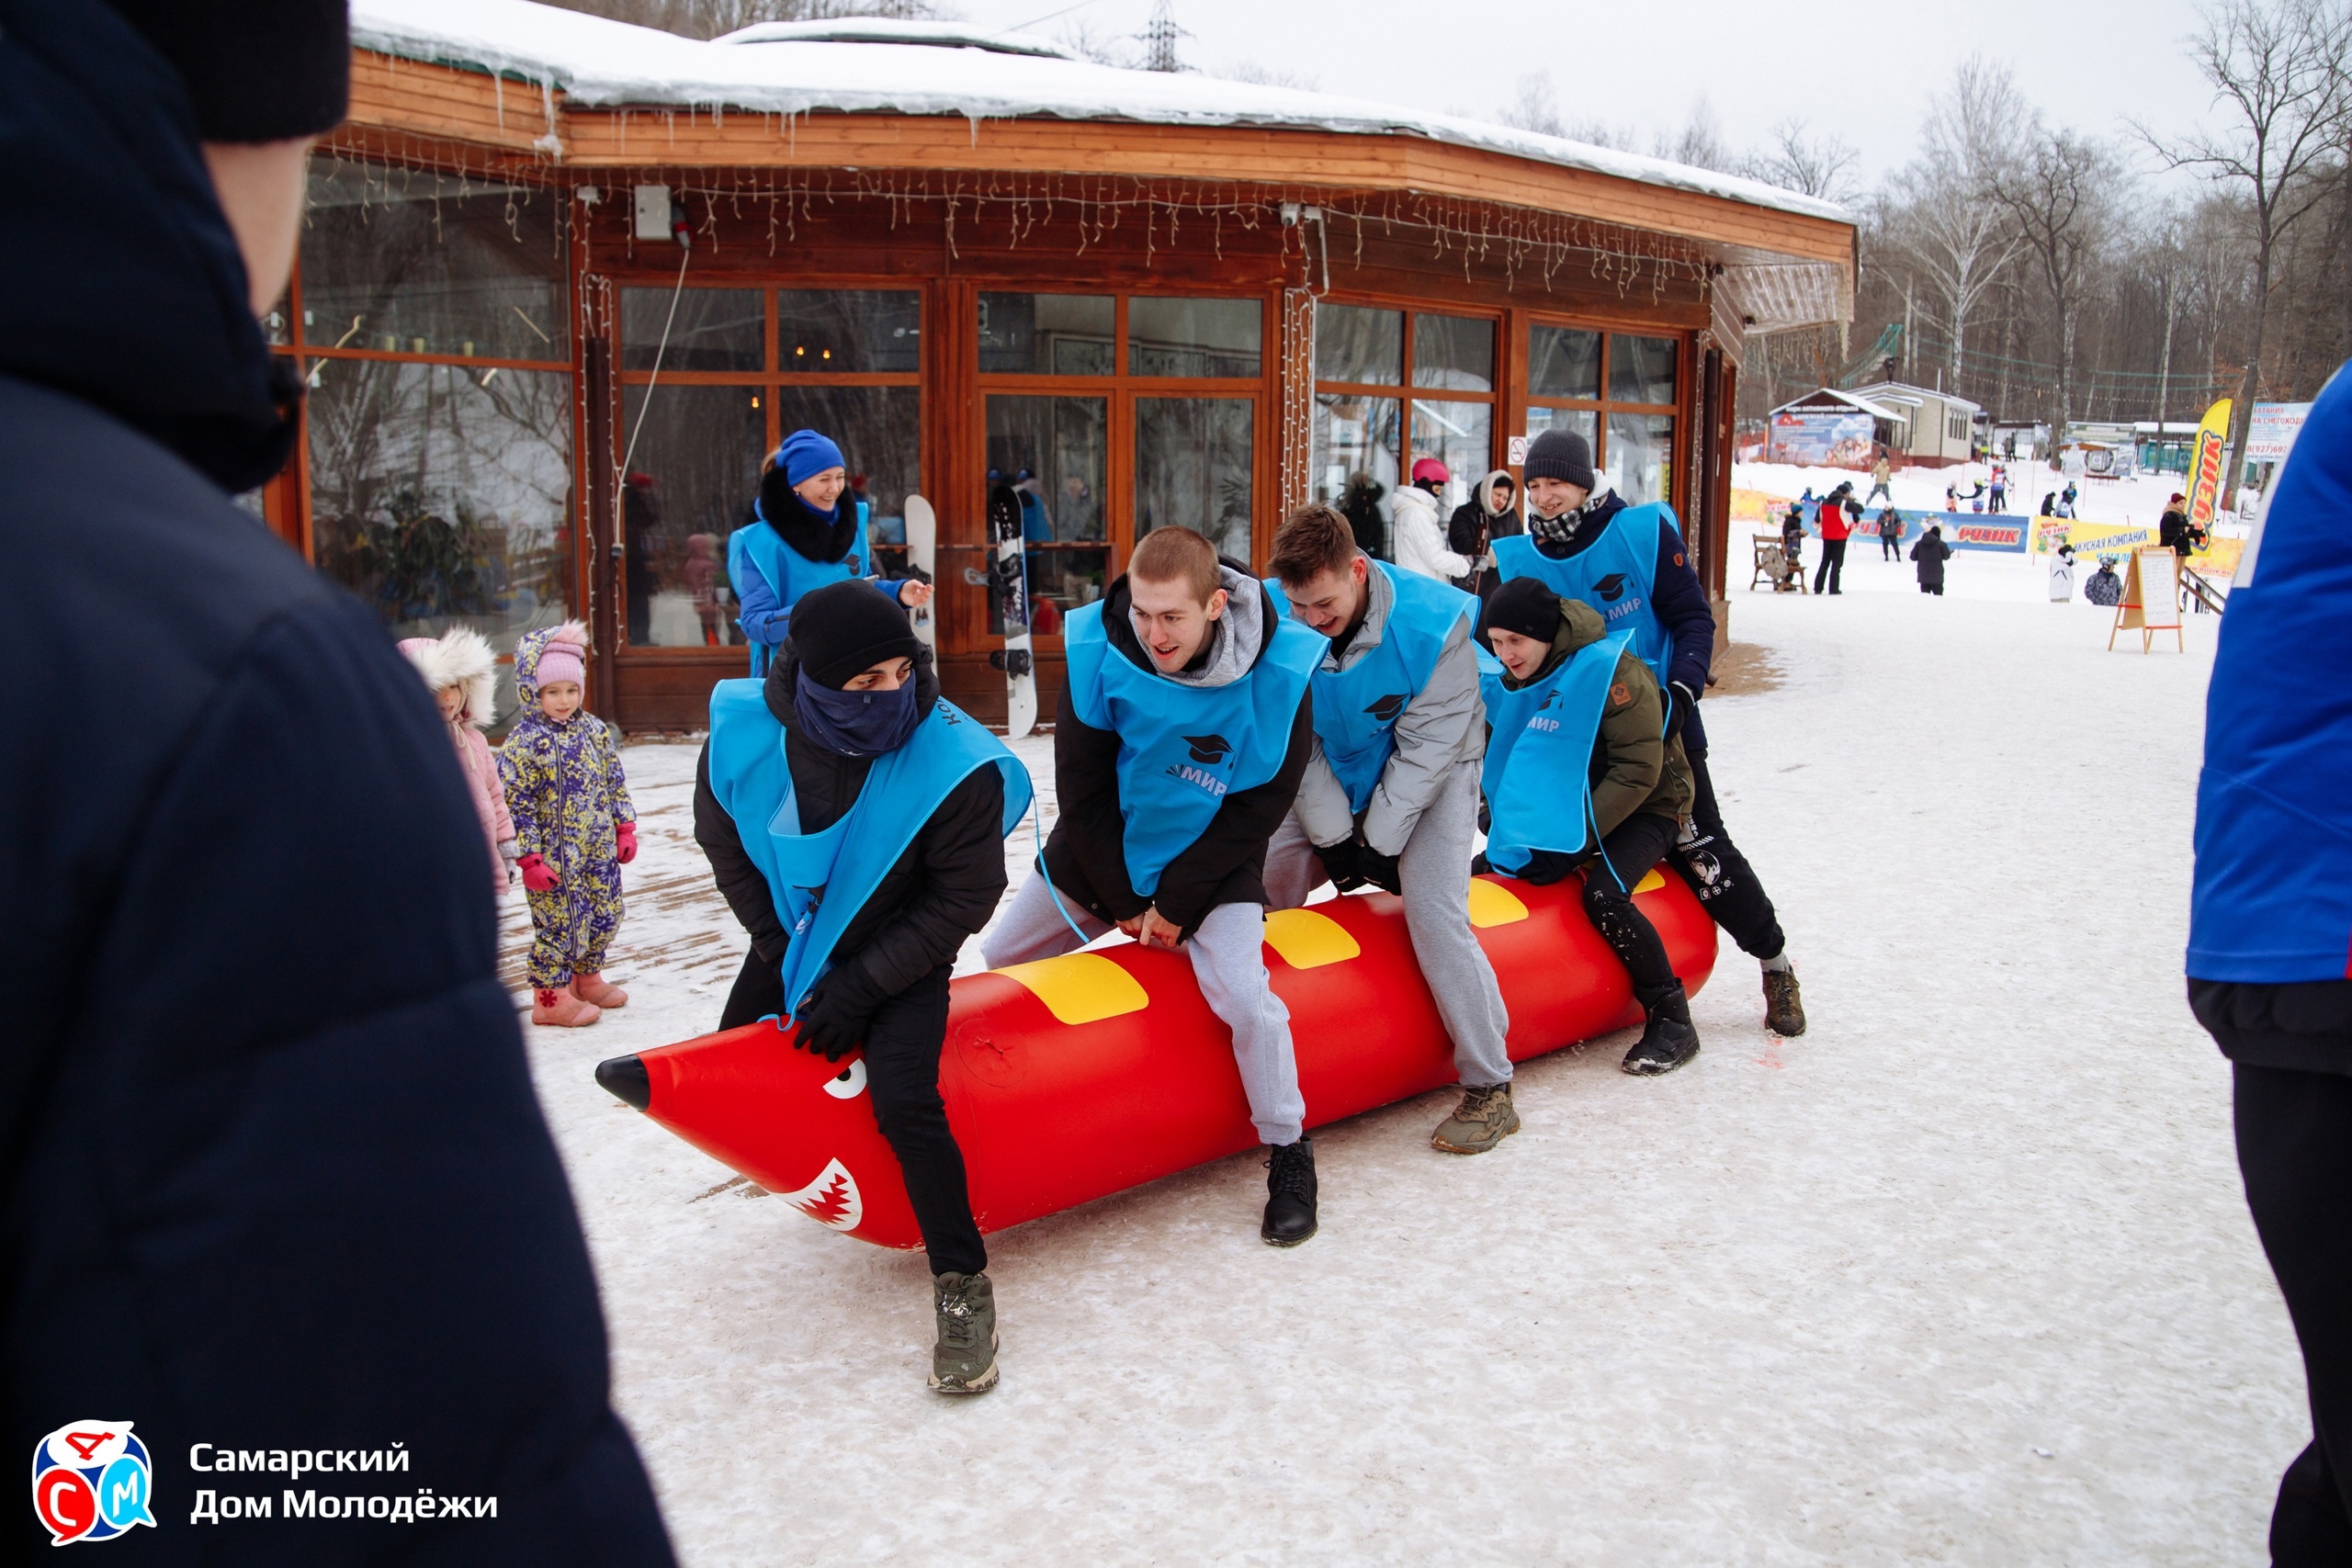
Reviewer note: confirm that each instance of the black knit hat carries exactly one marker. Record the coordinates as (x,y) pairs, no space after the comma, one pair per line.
(1561,455)
(254,70)
(1526,606)
(845,628)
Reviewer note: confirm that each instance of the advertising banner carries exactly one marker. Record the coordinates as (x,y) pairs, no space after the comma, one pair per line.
(2271,429)
(2091,539)
(2206,461)
(1820,438)
(1963,530)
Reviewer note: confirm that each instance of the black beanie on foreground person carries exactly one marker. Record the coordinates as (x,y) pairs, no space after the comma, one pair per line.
(254,70)
(1526,606)
(1561,455)
(845,628)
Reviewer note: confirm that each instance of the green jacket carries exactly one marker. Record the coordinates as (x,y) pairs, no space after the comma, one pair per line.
(1633,767)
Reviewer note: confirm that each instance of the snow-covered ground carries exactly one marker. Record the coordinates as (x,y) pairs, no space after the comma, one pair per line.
(2139,500)
(1963,1275)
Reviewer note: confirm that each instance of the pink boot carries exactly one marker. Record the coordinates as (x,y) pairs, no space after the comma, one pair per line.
(590,988)
(562,1010)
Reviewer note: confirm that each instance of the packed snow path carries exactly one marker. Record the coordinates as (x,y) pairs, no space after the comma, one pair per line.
(1964,1275)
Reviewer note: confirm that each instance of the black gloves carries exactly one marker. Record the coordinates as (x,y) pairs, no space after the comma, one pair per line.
(836,1013)
(1480,865)
(1546,866)
(1339,863)
(1683,700)
(1378,869)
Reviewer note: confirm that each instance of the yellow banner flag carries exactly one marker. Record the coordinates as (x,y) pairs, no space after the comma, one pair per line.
(2206,463)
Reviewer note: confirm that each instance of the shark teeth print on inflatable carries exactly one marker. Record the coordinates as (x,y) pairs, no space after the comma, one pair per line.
(1079,1077)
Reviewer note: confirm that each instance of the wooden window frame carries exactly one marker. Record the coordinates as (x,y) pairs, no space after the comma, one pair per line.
(1681,409)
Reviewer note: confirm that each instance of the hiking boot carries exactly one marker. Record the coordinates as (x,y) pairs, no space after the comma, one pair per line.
(964,1360)
(562,1009)
(1783,1006)
(1669,1041)
(1290,1193)
(1484,1119)
(589,987)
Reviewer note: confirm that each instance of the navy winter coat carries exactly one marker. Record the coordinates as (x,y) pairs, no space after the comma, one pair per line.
(1680,604)
(272,1173)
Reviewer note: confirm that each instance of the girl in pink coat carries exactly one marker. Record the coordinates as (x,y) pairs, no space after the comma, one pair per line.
(463,673)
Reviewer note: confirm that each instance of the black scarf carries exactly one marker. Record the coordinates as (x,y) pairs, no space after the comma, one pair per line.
(822,537)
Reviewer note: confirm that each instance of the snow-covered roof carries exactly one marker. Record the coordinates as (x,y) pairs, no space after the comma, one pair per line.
(802,68)
(1836,395)
(1900,392)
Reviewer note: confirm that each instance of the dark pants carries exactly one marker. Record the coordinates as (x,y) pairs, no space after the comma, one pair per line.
(1628,852)
(2295,1151)
(1889,550)
(1935,588)
(1833,563)
(1713,868)
(901,1050)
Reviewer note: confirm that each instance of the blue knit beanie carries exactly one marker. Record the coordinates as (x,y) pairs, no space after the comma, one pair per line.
(805,454)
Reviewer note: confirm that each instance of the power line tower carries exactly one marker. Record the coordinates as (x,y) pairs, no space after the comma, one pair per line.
(1160,36)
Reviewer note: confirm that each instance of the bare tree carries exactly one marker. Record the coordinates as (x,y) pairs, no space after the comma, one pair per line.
(1534,107)
(2061,194)
(1811,165)
(708,18)
(1955,231)
(1699,142)
(2277,69)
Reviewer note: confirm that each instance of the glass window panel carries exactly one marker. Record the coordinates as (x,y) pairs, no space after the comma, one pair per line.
(1193,468)
(1639,456)
(276,326)
(1352,344)
(1056,453)
(441,495)
(716,328)
(1047,335)
(879,430)
(1354,465)
(1194,337)
(1563,362)
(690,484)
(398,260)
(1641,369)
(820,330)
(1584,422)
(1456,353)
(1460,435)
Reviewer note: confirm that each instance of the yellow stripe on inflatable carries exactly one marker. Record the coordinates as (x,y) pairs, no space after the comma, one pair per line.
(1079,987)
(1309,940)
(1494,905)
(1650,883)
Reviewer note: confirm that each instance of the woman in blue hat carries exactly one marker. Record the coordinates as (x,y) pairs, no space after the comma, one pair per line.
(801,537)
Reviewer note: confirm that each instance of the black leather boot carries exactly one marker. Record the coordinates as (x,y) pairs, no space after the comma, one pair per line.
(1669,1041)
(1290,1193)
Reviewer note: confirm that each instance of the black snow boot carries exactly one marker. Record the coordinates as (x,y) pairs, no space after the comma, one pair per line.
(1669,1041)
(1290,1193)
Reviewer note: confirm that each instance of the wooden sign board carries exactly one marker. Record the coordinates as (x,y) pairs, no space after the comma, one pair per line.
(2150,599)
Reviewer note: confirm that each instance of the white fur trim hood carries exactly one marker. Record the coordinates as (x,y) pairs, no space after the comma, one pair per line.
(459,657)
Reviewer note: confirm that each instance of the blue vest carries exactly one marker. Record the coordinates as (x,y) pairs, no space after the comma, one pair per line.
(1183,749)
(1540,756)
(2272,899)
(788,574)
(1356,709)
(820,881)
(1613,575)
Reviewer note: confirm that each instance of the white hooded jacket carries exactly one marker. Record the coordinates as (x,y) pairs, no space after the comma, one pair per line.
(1420,537)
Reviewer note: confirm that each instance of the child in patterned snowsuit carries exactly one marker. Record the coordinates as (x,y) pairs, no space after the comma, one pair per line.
(573,824)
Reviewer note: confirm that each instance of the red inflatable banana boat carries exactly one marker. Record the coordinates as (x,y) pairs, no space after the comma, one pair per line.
(1077,1076)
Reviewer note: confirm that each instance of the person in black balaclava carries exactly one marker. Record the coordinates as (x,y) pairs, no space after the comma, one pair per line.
(264,1110)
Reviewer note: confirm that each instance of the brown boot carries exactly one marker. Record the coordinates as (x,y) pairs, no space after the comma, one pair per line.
(1783,1004)
(562,1009)
(590,988)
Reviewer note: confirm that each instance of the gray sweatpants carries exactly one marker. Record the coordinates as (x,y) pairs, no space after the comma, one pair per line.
(1228,960)
(1434,871)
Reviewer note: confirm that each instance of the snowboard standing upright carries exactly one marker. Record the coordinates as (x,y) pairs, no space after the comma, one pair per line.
(1009,585)
(922,561)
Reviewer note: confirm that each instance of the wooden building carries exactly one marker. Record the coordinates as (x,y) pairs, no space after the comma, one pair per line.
(1149,299)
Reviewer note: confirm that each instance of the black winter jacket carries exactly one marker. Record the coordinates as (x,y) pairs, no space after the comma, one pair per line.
(1086,854)
(1931,552)
(942,889)
(271,1172)
(1678,600)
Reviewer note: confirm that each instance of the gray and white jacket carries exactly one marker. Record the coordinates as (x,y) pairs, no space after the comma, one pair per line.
(1442,728)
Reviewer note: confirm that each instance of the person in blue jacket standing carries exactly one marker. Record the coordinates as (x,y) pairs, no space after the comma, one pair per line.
(2270,934)
(1630,564)
(802,535)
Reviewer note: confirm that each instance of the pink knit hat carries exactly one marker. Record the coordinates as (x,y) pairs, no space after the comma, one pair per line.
(565,657)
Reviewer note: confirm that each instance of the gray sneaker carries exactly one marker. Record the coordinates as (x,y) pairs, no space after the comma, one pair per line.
(1484,1119)
(964,1360)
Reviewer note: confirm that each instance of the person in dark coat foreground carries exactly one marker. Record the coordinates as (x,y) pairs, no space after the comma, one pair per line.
(1931,552)
(851,686)
(276,1177)
(2270,937)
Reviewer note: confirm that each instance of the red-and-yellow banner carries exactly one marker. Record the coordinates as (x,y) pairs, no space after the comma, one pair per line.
(2206,463)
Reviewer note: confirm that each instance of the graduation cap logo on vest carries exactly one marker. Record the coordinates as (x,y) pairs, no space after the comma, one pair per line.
(1387,709)
(1208,749)
(1610,588)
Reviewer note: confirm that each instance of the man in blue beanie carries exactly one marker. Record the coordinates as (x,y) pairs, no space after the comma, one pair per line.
(801,537)
(2270,934)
